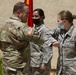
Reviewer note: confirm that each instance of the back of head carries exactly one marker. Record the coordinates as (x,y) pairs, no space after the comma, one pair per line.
(21,10)
(18,6)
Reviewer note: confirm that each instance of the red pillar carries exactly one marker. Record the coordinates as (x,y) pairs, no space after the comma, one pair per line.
(30,3)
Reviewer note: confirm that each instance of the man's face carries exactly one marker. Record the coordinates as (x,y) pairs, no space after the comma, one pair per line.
(24,14)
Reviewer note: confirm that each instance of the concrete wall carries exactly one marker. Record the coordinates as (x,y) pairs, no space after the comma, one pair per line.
(51,8)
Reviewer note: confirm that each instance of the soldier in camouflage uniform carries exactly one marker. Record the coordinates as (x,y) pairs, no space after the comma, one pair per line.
(66,35)
(41,57)
(15,38)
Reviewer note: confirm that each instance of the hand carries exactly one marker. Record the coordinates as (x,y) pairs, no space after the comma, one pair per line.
(56,44)
(43,67)
(30,31)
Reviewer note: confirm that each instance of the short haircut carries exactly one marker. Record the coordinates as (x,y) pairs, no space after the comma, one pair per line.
(19,6)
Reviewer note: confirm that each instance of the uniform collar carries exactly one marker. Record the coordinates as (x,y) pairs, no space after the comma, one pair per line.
(70,30)
(38,27)
(15,18)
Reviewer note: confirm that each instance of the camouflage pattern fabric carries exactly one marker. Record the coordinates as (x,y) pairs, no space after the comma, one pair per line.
(67,51)
(42,55)
(15,38)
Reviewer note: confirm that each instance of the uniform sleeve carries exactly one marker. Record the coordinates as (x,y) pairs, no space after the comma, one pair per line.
(75,41)
(47,36)
(46,53)
(55,33)
(47,46)
(33,36)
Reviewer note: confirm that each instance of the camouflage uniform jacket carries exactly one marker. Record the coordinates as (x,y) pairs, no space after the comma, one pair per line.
(15,43)
(67,52)
(39,55)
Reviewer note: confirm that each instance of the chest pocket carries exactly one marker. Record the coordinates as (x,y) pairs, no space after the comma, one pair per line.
(69,42)
(69,48)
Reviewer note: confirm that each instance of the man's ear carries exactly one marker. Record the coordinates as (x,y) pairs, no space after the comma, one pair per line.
(18,12)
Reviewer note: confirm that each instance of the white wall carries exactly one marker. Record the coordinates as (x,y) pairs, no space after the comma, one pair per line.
(53,7)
